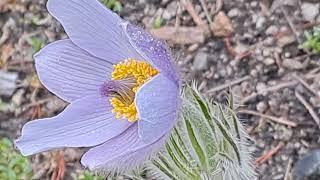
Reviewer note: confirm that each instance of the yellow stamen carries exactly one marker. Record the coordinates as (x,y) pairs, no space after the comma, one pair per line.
(141,72)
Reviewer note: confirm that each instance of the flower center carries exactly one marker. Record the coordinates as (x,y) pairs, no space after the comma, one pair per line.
(131,75)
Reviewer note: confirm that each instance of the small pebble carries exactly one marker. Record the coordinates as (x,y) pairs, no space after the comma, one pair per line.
(260,22)
(261,86)
(266,52)
(200,62)
(287,54)
(269,41)
(310,10)
(271,30)
(254,73)
(233,13)
(193,47)
(254,4)
(262,106)
(269,61)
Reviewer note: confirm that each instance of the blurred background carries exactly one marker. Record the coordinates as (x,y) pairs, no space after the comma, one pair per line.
(265,51)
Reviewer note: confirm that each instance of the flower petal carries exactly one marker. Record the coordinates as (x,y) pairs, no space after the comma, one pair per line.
(93,28)
(122,152)
(84,123)
(157,104)
(153,50)
(70,72)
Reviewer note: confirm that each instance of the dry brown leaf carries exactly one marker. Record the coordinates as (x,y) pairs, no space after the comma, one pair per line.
(221,26)
(35,82)
(181,35)
(13,5)
(3,4)
(6,52)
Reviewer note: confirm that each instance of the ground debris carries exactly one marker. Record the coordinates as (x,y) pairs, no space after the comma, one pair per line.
(8,82)
(221,26)
(181,35)
(308,166)
(293,64)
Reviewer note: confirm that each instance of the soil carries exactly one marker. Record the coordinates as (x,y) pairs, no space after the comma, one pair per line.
(260,61)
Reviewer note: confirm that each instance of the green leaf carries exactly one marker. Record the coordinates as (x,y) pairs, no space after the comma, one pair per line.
(12,164)
(36,43)
(312,40)
(117,7)
(158,23)
(195,144)
(114,5)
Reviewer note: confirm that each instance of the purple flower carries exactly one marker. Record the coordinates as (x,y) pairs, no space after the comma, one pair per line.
(122,88)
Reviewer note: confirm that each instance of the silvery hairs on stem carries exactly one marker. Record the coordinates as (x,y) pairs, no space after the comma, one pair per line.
(209,142)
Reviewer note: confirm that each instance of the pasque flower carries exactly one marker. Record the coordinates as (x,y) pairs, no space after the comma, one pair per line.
(120,82)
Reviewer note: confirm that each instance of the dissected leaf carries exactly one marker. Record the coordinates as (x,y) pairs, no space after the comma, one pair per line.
(208,142)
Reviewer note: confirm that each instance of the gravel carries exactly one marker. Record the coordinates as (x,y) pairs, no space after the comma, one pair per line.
(258,27)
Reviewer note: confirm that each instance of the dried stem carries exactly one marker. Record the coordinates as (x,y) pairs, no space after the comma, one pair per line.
(305,84)
(271,118)
(193,13)
(269,154)
(287,174)
(205,9)
(229,84)
(308,107)
(293,28)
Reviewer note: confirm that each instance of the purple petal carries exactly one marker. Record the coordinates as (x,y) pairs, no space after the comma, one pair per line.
(94,28)
(122,152)
(84,123)
(153,50)
(157,104)
(69,72)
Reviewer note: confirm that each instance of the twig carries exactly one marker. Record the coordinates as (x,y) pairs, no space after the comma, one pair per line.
(59,170)
(308,107)
(196,18)
(293,28)
(305,84)
(34,94)
(218,7)
(229,47)
(40,102)
(226,85)
(269,89)
(205,9)
(278,59)
(6,30)
(36,113)
(311,76)
(244,54)
(280,120)
(302,27)
(287,174)
(279,86)
(313,71)
(178,14)
(262,159)
(19,62)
